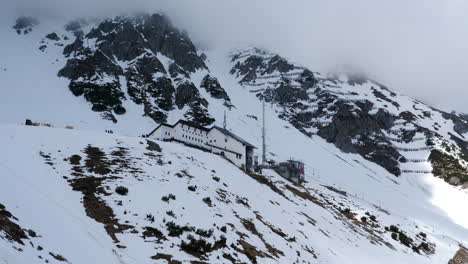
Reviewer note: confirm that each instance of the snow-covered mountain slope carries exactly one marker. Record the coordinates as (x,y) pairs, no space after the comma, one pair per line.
(187,205)
(70,202)
(135,71)
(358,115)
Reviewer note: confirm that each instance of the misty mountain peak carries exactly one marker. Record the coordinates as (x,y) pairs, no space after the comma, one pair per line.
(25,24)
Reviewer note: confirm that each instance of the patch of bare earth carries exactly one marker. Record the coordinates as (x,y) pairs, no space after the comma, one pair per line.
(58,257)
(92,187)
(250,251)
(305,196)
(333,189)
(265,181)
(249,225)
(167,257)
(155,233)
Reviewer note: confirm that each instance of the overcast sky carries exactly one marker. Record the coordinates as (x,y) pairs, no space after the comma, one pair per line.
(418,47)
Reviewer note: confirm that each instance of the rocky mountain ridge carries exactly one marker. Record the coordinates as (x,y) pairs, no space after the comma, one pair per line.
(123,199)
(144,59)
(147,60)
(356,114)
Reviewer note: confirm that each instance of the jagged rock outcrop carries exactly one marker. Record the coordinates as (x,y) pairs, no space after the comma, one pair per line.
(148,85)
(347,125)
(460,122)
(212,86)
(356,114)
(187,95)
(127,51)
(93,76)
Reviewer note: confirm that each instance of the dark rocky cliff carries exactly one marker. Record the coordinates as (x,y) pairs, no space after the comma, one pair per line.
(120,59)
(356,114)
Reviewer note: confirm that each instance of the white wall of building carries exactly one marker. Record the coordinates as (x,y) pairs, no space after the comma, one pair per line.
(228,145)
(163,133)
(190,135)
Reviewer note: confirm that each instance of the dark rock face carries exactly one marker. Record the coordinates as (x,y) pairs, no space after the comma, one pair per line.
(177,73)
(53,36)
(381,96)
(307,79)
(347,125)
(463,144)
(186,92)
(8,226)
(356,114)
(124,51)
(408,116)
(147,85)
(199,114)
(248,68)
(304,103)
(152,32)
(212,86)
(285,94)
(92,75)
(448,168)
(187,95)
(24,24)
(460,122)
(278,64)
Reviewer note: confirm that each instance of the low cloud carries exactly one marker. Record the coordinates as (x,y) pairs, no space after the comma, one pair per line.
(417,47)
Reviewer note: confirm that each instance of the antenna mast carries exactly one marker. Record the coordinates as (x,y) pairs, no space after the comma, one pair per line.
(263,136)
(224,122)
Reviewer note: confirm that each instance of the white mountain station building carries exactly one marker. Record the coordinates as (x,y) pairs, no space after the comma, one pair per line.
(216,139)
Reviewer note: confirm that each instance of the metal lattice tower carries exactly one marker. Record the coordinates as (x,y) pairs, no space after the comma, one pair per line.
(263,136)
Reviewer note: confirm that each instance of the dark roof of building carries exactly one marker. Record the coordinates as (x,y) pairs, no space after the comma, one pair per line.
(192,124)
(184,122)
(229,133)
(154,130)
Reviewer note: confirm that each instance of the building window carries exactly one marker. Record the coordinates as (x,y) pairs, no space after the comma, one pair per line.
(225,140)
